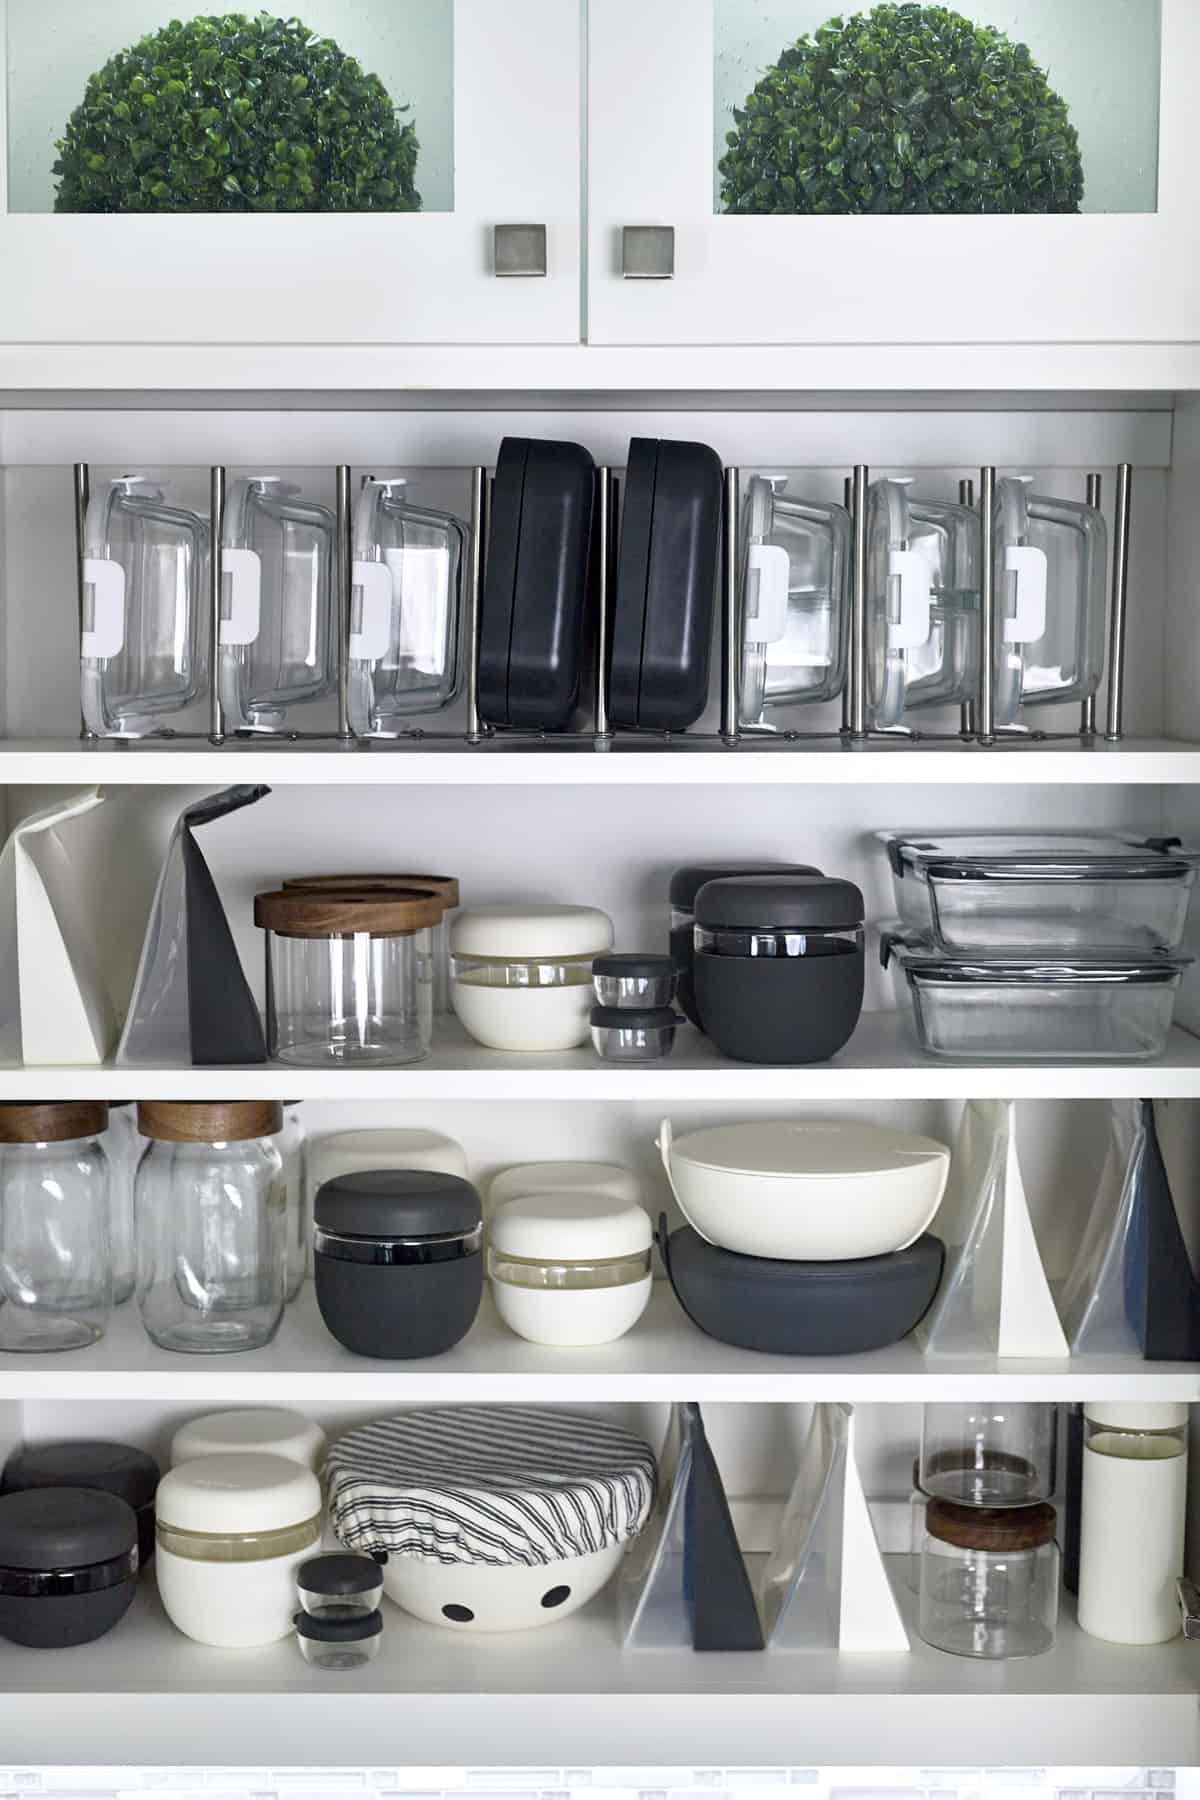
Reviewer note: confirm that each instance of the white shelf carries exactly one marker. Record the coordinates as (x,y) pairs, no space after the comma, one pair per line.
(567,1694)
(881,1060)
(700,762)
(665,1358)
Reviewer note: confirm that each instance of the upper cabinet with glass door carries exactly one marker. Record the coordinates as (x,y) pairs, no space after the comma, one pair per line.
(981,172)
(331,172)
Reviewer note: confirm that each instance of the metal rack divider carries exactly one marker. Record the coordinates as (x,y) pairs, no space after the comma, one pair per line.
(83,495)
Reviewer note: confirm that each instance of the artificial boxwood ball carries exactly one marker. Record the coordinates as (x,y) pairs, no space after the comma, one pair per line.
(236,114)
(904,109)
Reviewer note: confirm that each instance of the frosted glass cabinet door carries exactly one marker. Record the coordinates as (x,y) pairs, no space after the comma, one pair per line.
(190,174)
(980,172)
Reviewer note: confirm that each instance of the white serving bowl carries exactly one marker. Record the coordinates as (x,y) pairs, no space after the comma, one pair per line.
(516,1598)
(806,1190)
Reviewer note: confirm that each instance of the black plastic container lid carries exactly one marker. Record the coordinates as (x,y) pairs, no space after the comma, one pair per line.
(686,883)
(321,1629)
(632,1018)
(119,1469)
(339,1576)
(64,1528)
(632,965)
(780,903)
(398,1203)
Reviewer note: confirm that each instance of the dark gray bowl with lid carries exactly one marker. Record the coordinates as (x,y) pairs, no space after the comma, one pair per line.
(685,885)
(120,1469)
(398,1261)
(68,1565)
(778,966)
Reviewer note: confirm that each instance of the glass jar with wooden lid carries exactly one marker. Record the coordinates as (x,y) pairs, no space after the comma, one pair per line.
(56,1276)
(445,886)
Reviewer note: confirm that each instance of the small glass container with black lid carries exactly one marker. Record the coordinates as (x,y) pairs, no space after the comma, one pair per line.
(340,1585)
(120,1469)
(398,1261)
(635,980)
(339,1644)
(778,966)
(622,1035)
(68,1565)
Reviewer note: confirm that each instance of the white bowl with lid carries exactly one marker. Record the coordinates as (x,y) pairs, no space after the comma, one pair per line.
(806,1190)
(570,1269)
(232,1532)
(521,1179)
(521,976)
(264,1430)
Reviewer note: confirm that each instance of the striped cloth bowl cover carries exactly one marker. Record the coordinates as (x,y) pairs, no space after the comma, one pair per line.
(503,1485)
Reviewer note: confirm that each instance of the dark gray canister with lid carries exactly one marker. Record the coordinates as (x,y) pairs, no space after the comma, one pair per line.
(398,1261)
(685,885)
(68,1565)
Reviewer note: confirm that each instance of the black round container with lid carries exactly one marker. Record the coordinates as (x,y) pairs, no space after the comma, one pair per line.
(398,1261)
(778,966)
(685,885)
(68,1565)
(120,1469)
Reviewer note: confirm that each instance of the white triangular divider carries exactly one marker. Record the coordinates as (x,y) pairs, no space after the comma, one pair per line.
(54,1007)
(994,1299)
(825,1586)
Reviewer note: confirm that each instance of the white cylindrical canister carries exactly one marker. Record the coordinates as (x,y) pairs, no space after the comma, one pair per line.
(1132,1521)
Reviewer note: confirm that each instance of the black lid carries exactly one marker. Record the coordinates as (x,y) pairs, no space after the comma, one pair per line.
(780,903)
(632,1018)
(691,1254)
(119,1469)
(398,1203)
(322,1629)
(686,883)
(64,1528)
(633,965)
(339,1575)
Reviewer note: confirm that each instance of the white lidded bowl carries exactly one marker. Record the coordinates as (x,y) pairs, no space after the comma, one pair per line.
(476,1597)
(523,1179)
(269,1431)
(570,1269)
(521,976)
(806,1190)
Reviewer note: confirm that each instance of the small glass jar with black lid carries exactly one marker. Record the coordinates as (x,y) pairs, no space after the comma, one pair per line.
(778,966)
(68,1565)
(398,1261)
(635,980)
(339,1644)
(340,1585)
(621,1035)
(121,1469)
(685,885)
(989,1580)
(56,1269)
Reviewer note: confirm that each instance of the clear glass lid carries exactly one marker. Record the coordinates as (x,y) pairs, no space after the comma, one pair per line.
(1038,856)
(922,602)
(793,599)
(1051,565)
(924,962)
(277,642)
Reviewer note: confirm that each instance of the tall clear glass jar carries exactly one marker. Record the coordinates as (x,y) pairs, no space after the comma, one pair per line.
(210,1203)
(291,1145)
(990,1454)
(989,1580)
(123,1145)
(56,1279)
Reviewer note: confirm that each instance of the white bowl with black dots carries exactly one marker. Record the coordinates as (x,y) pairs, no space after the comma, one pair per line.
(474,1597)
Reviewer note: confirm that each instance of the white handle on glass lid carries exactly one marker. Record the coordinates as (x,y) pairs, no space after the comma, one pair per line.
(1028,571)
(666,1137)
(241,597)
(766,594)
(104,592)
(909,600)
(371,635)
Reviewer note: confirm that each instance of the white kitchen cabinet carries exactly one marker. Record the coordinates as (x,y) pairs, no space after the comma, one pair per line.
(496,102)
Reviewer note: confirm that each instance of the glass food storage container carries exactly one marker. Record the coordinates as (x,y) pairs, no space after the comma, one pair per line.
(989,1455)
(257,1430)
(445,886)
(406,610)
(685,885)
(123,1145)
(632,980)
(989,1580)
(349,976)
(277,640)
(339,1645)
(570,1268)
(1031,1008)
(144,641)
(56,1277)
(68,1566)
(120,1469)
(975,893)
(1051,562)
(621,1035)
(340,1586)
(521,976)
(922,603)
(793,601)
(212,1264)
(232,1533)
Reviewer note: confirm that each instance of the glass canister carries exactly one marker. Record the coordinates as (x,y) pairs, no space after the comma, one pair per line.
(56,1276)
(277,639)
(349,976)
(406,610)
(989,1580)
(446,886)
(291,1143)
(994,1454)
(143,646)
(1132,1519)
(793,601)
(123,1146)
(521,976)
(212,1261)
(922,603)
(1051,564)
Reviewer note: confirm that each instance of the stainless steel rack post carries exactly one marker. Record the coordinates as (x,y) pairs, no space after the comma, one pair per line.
(854,710)
(83,494)
(344,578)
(217,477)
(1087,712)
(986,717)
(730,648)
(1114,730)
(968,725)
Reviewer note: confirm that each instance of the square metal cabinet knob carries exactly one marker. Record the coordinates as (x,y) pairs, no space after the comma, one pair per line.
(648,252)
(519,250)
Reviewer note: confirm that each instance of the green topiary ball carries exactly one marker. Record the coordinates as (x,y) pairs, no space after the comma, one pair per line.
(234,114)
(905,109)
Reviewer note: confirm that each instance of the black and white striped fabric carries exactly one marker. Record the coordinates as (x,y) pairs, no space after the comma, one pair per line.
(504,1485)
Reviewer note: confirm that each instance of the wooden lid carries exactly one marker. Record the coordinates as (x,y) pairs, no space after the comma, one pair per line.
(209,1121)
(991,1528)
(52,1122)
(395,912)
(445,885)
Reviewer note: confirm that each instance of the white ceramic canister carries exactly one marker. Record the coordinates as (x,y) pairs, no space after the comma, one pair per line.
(232,1532)
(1132,1520)
(570,1269)
(521,976)
(612,1179)
(259,1430)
